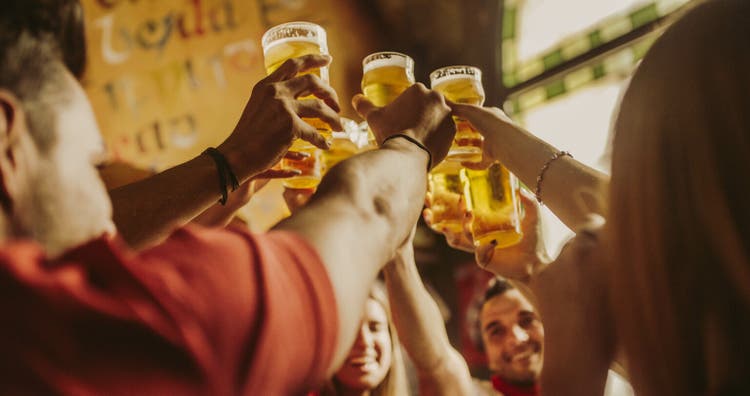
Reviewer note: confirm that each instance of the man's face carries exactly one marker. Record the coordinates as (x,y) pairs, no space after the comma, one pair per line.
(65,203)
(370,358)
(513,337)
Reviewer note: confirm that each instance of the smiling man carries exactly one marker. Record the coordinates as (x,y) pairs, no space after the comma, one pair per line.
(512,336)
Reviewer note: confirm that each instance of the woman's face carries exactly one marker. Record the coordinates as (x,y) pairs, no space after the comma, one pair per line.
(370,358)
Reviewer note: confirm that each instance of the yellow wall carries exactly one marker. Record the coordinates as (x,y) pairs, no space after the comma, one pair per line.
(168,78)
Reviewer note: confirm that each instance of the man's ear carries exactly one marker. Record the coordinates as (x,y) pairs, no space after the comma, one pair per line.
(12,124)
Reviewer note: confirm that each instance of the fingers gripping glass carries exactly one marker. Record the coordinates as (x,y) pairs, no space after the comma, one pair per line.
(385,76)
(287,41)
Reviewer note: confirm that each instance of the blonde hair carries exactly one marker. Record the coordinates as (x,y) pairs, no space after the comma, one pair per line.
(395,382)
(679,224)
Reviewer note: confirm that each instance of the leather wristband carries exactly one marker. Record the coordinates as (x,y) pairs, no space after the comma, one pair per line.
(416,143)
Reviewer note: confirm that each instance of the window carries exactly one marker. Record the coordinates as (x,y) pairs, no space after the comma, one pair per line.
(565,65)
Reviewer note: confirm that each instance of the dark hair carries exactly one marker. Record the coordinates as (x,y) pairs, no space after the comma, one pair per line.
(63,19)
(497,286)
(30,63)
(71,35)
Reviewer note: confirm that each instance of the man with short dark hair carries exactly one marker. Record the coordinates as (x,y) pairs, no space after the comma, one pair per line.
(511,333)
(208,311)
(512,338)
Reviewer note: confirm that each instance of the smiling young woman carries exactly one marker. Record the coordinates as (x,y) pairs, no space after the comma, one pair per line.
(374,366)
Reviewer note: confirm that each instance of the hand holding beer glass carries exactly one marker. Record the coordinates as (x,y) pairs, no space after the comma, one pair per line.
(491,194)
(287,41)
(385,76)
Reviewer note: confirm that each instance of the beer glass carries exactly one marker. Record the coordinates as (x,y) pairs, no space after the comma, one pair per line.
(462,84)
(493,198)
(446,190)
(343,145)
(292,40)
(385,75)
(491,194)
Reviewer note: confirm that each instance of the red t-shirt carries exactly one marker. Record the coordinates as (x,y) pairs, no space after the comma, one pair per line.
(209,312)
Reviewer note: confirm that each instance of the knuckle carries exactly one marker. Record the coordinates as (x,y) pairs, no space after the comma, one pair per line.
(273,89)
(318,105)
(311,79)
(292,64)
(298,62)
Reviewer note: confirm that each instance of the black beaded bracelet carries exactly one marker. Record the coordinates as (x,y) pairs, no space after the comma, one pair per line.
(225,173)
(416,142)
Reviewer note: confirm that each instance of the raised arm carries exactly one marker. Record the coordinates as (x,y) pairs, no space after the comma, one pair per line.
(366,206)
(441,369)
(570,189)
(147,211)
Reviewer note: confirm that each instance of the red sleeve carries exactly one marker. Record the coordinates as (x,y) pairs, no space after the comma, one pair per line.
(264,301)
(207,312)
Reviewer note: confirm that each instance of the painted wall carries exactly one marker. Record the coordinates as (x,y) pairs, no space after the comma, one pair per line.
(168,78)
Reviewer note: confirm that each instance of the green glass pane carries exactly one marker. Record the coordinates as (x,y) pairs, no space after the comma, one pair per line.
(599,71)
(556,88)
(510,79)
(552,59)
(516,107)
(644,15)
(509,23)
(595,39)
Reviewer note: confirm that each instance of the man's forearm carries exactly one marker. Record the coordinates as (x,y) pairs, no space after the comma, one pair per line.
(146,212)
(363,210)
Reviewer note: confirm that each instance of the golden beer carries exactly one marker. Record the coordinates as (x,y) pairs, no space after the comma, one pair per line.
(492,196)
(342,147)
(311,168)
(462,84)
(446,189)
(385,75)
(292,40)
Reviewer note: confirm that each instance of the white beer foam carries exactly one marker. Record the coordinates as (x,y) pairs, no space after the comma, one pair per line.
(312,40)
(441,76)
(388,60)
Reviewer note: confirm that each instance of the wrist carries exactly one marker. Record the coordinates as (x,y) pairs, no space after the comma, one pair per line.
(407,143)
(243,164)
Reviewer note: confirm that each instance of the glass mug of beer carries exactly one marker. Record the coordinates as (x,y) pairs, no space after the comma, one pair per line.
(343,145)
(292,40)
(490,194)
(462,84)
(446,192)
(385,75)
(493,198)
